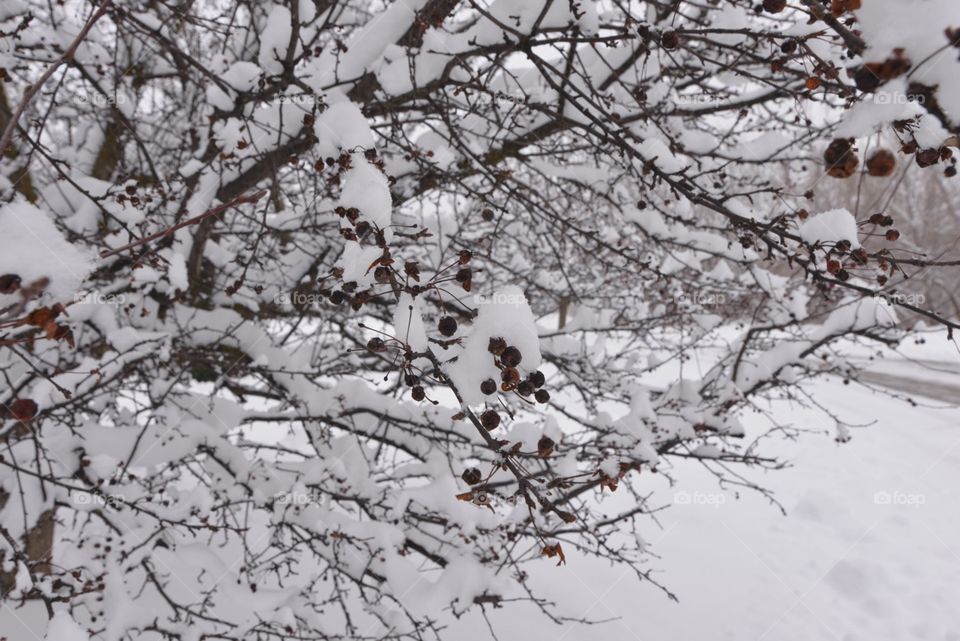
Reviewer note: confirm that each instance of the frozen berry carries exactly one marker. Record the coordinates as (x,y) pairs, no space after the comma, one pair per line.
(487,214)
(881,163)
(789,46)
(927,157)
(496,346)
(774,6)
(411,380)
(464,274)
(892,235)
(488,387)
(417,393)
(471,476)
(840,158)
(382,274)
(834,266)
(9,283)
(545,446)
(447,326)
(490,420)
(542,396)
(511,356)
(525,388)
(866,79)
(510,376)
(537,378)
(670,40)
(376,344)
(23,409)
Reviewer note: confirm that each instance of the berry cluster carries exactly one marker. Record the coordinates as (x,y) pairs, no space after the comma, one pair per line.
(508,358)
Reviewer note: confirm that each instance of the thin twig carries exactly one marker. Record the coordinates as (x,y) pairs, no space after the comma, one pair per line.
(219,209)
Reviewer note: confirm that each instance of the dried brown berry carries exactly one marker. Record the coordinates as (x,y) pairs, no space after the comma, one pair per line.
(525,388)
(510,376)
(496,346)
(774,6)
(487,214)
(9,283)
(542,396)
(490,420)
(840,158)
(670,40)
(23,409)
(927,157)
(545,446)
(537,378)
(834,266)
(511,356)
(892,235)
(471,476)
(488,387)
(382,274)
(881,163)
(376,344)
(463,275)
(417,393)
(447,326)
(867,79)
(788,46)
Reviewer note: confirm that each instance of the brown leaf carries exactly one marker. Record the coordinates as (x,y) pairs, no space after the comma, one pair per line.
(555,550)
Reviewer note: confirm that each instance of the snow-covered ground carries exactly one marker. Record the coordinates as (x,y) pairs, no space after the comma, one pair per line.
(869,549)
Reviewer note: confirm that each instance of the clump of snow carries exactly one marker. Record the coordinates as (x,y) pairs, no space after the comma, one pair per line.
(274,40)
(507,315)
(32,247)
(365,187)
(242,75)
(830,227)
(343,126)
